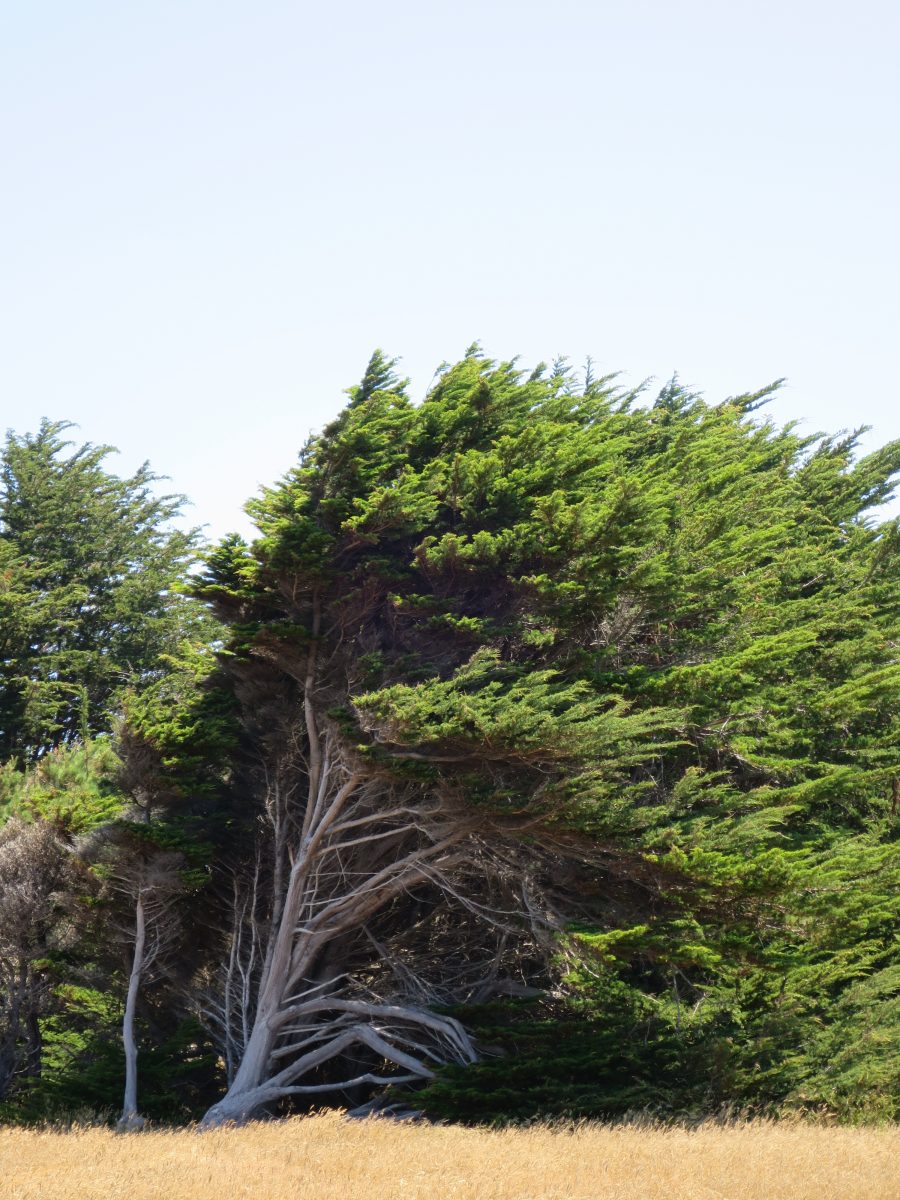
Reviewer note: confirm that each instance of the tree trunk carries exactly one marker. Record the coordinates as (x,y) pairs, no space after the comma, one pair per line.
(130,1118)
(358,850)
(357,842)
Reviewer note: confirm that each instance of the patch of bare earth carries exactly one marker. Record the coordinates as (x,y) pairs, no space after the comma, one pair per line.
(328,1158)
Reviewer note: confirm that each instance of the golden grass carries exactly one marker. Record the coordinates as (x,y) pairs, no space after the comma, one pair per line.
(328,1158)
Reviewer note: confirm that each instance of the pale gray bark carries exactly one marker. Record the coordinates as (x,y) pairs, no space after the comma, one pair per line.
(355,853)
(152,887)
(309,993)
(130,1117)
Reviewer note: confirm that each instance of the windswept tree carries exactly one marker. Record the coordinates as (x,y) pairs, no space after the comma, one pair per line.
(531,673)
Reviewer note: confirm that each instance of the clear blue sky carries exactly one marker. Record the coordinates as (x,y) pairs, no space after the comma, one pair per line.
(212,211)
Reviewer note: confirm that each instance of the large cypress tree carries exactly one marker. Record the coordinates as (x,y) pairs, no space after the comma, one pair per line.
(532,674)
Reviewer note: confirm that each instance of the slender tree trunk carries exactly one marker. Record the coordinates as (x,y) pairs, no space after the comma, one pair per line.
(130,1118)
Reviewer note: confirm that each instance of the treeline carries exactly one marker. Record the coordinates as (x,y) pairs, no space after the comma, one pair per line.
(538,758)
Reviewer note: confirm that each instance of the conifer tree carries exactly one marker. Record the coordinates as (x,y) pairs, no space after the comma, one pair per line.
(89,569)
(531,673)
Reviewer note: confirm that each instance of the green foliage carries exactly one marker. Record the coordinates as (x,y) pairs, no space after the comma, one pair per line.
(619,1052)
(95,627)
(75,786)
(669,631)
(657,640)
(178,731)
(90,569)
(82,1066)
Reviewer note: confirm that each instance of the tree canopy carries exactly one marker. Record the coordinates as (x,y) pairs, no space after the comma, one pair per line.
(89,604)
(647,652)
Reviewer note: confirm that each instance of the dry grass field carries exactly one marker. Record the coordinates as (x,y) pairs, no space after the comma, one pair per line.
(328,1158)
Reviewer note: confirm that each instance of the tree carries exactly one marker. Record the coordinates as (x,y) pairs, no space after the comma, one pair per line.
(89,602)
(529,673)
(148,881)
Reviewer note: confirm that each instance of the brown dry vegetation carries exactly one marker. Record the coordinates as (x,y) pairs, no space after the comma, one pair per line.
(328,1158)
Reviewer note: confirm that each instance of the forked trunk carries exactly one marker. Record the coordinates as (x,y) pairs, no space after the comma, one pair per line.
(358,850)
(357,845)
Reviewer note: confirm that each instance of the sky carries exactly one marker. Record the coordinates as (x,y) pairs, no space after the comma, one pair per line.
(211,212)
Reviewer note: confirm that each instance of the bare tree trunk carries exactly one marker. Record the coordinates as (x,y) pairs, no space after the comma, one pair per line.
(130,1118)
(323,989)
(358,849)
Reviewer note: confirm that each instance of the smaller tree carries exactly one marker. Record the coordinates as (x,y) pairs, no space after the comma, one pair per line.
(144,883)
